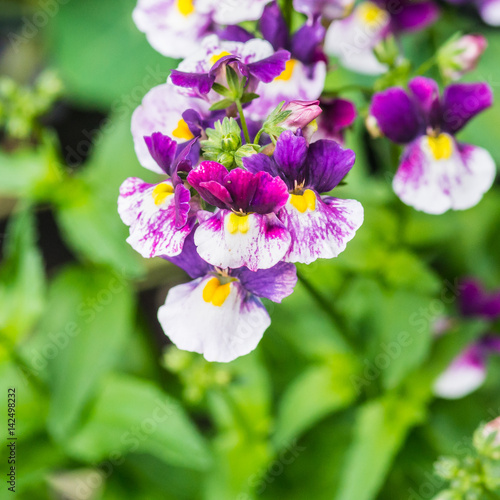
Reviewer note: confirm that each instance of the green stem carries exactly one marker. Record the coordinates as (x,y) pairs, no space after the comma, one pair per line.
(243,121)
(336,321)
(426,66)
(257,137)
(287,13)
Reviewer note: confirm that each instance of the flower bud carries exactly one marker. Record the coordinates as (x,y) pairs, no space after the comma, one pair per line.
(460,56)
(302,113)
(372,127)
(230,142)
(487,439)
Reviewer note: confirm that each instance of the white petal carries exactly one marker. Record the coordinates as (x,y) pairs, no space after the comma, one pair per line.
(160,111)
(167,30)
(459,380)
(220,333)
(262,246)
(323,232)
(490,12)
(233,11)
(152,228)
(435,186)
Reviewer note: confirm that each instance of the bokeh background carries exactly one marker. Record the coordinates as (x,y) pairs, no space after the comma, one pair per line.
(107,409)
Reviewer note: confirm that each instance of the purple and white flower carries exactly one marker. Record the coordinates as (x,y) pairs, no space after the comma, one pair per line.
(220,314)
(329,9)
(163,109)
(304,76)
(174,28)
(436,172)
(320,226)
(160,216)
(255,59)
(245,231)
(353,39)
(468,371)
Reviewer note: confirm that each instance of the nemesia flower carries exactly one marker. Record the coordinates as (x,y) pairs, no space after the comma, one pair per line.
(304,76)
(468,371)
(337,115)
(161,215)
(220,314)
(163,110)
(353,39)
(302,114)
(245,231)
(461,56)
(254,59)
(173,27)
(436,173)
(320,226)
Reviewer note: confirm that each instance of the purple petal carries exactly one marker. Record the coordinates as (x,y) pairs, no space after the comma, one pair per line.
(162,149)
(202,82)
(306,41)
(261,244)
(290,156)
(396,115)
(182,197)
(475,301)
(207,178)
(274,284)
(188,154)
(189,260)
(266,70)
(463,101)
(261,163)
(260,192)
(337,115)
(413,16)
(234,34)
(273,26)
(322,232)
(425,91)
(327,164)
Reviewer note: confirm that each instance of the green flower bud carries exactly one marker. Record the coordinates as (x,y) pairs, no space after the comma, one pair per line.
(244,152)
(230,142)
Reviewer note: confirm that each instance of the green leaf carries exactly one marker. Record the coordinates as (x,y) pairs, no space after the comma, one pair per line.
(380,430)
(82,339)
(20,171)
(22,278)
(315,393)
(225,103)
(102,57)
(134,415)
(220,89)
(248,97)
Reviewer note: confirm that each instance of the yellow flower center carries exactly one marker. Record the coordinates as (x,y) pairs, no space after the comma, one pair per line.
(216,293)
(288,71)
(304,201)
(182,131)
(186,7)
(371,14)
(217,57)
(237,223)
(441,146)
(161,192)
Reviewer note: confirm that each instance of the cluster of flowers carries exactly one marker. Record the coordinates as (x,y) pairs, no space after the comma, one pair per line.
(248,152)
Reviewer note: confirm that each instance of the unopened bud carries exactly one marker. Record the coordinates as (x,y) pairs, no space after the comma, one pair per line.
(460,56)
(302,114)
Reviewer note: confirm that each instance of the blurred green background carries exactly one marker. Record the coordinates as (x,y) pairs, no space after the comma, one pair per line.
(106,409)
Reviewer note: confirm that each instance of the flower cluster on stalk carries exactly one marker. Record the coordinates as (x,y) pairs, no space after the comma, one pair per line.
(250,148)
